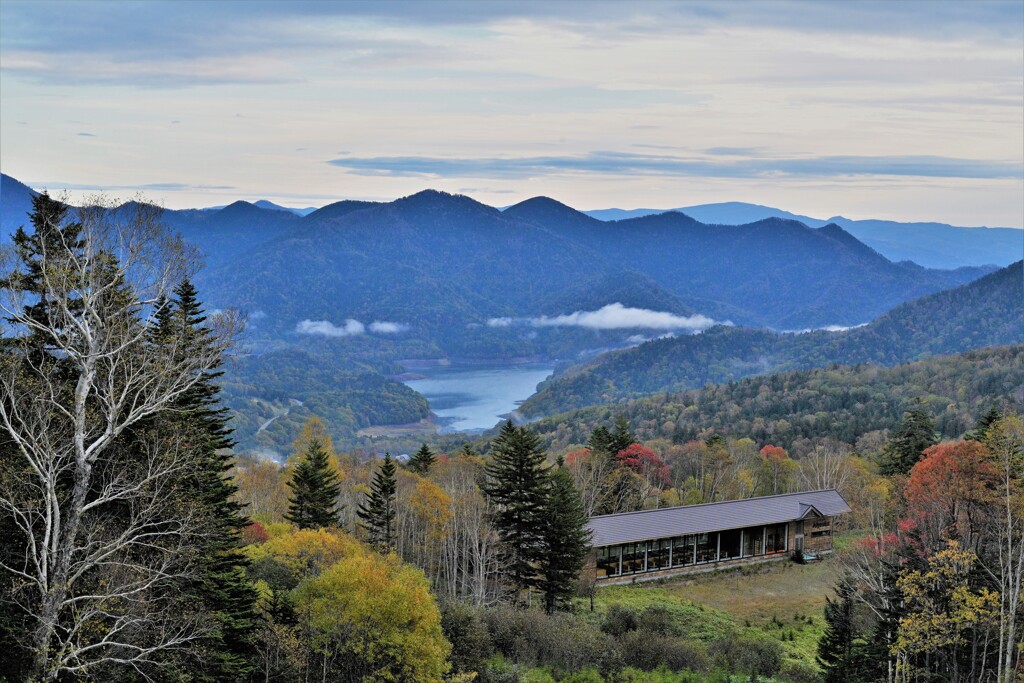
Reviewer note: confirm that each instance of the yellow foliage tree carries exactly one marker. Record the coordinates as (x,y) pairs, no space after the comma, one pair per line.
(941,609)
(372,618)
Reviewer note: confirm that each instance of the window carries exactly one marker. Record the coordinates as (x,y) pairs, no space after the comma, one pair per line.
(633,557)
(729,548)
(682,551)
(707,547)
(753,541)
(608,560)
(776,538)
(657,554)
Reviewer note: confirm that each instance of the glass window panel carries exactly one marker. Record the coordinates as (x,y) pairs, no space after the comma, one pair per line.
(730,544)
(753,541)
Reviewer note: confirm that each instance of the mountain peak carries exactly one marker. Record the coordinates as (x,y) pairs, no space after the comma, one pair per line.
(545,210)
(440,200)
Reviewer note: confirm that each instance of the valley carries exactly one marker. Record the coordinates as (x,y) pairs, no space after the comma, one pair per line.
(691,302)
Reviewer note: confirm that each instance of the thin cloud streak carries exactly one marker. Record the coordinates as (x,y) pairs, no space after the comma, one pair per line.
(621,163)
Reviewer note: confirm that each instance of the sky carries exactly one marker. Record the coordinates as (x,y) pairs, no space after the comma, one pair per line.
(897,110)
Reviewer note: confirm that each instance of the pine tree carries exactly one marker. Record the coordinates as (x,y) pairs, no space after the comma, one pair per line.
(980,432)
(221,587)
(516,485)
(314,500)
(903,449)
(836,646)
(566,540)
(601,441)
(422,460)
(622,436)
(377,513)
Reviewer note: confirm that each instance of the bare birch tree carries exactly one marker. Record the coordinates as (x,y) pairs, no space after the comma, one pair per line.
(98,540)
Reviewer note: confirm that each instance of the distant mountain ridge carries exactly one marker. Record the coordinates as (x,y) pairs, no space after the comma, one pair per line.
(987,312)
(930,244)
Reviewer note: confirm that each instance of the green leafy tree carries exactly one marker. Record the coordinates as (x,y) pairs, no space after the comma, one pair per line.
(377,513)
(422,460)
(516,485)
(915,434)
(314,484)
(566,540)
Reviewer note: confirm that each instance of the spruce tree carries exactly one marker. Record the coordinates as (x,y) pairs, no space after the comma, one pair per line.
(622,436)
(836,646)
(566,540)
(314,500)
(377,513)
(422,460)
(221,585)
(516,485)
(601,441)
(903,449)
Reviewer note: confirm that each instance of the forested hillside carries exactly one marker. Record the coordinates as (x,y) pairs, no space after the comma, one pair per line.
(350,289)
(987,312)
(839,402)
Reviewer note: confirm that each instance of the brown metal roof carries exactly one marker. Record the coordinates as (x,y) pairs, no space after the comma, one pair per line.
(632,527)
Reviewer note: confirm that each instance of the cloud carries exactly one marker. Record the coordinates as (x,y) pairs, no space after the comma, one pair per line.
(86,135)
(350,328)
(613,317)
(826,328)
(329,329)
(630,164)
(383,327)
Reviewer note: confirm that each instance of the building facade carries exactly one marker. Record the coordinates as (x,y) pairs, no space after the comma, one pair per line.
(635,546)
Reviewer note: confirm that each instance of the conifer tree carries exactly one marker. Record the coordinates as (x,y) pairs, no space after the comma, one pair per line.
(422,460)
(314,500)
(836,654)
(622,436)
(377,513)
(903,449)
(222,587)
(516,485)
(566,540)
(601,441)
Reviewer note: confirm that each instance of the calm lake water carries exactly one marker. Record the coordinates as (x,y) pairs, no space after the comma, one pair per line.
(473,398)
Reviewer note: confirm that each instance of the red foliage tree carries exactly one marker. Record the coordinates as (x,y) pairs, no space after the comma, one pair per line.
(644,462)
(947,492)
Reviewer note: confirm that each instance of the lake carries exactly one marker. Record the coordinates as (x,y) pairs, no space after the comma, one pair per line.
(472,398)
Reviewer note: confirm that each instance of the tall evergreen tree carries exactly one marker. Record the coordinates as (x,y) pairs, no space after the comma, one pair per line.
(622,436)
(516,485)
(314,500)
(377,513)
(422,460)
(904,447)
(601,441)
(836,654)
(566,540)
(221,586)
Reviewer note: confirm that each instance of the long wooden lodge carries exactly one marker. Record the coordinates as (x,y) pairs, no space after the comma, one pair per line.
(635,546)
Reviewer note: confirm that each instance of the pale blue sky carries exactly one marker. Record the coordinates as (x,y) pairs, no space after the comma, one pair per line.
(908,111)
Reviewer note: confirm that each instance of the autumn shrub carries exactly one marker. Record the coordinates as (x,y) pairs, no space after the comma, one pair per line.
(465,629)
(747,655)
(620,620)
(798,672)
(647,650)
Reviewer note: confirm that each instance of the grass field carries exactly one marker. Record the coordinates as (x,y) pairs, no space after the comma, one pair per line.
(781,600)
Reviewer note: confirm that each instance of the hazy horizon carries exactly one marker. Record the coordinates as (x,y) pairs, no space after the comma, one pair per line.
(907,111)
